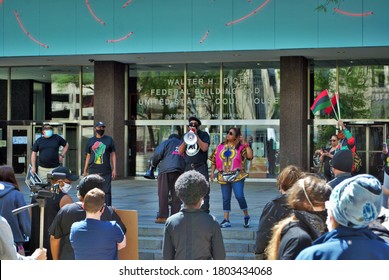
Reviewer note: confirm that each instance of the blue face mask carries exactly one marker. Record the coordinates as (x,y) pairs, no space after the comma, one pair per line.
(48,133)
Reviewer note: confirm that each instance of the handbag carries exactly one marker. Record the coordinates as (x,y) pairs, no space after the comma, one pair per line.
(230,176)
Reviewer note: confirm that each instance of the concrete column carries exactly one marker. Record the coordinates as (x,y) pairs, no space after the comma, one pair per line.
(294,112)
(109,104)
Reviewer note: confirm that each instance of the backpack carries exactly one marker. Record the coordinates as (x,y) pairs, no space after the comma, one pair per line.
(357,162)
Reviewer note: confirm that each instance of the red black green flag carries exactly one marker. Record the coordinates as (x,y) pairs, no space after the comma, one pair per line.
(321,102)
(330,110)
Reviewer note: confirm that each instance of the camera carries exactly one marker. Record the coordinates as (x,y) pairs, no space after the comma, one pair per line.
(40,189)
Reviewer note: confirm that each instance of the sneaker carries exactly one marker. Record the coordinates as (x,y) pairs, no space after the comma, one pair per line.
(225,224)
(246,221)
(160,220)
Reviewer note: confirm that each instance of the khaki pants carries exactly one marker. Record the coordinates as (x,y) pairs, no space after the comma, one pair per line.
(42,173)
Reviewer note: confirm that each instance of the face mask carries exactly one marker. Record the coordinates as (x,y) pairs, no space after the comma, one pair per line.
(100,132)
(48,133)
(66,187)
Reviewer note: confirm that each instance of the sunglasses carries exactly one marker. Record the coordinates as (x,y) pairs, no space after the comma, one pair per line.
(231,133)
(193,124)
(332,140)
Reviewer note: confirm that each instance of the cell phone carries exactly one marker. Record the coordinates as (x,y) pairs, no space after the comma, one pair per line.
(323,148)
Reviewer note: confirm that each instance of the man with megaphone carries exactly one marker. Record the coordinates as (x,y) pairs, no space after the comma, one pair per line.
(195,150)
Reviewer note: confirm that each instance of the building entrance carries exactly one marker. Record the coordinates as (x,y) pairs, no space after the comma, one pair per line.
(19,144)
(369,138)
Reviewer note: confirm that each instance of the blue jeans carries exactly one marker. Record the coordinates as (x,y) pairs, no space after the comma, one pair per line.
(238,192)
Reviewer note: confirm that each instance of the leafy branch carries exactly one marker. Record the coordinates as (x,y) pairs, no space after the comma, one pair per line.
(323,7)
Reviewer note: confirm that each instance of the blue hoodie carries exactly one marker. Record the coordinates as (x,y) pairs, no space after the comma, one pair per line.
(11,199)
(345,243)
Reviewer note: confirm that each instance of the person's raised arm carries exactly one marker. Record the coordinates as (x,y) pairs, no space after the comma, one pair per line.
(181,148)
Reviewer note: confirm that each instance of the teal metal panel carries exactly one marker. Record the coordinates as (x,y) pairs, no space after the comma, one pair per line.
(172,25)
(133,25)
(295,24)
(2,20)
(21,28)
(253,24)
(338,29)
(67,27)
(209,30)
(376,27)
(57,21)
(94,21)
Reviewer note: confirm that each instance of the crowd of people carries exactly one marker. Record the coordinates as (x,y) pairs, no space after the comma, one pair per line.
(335,215)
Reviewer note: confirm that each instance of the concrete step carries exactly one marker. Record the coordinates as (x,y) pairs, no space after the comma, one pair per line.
(238,242)
(148,254)
(228,233)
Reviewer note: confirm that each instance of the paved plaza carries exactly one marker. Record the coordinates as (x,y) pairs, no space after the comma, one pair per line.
(141,194)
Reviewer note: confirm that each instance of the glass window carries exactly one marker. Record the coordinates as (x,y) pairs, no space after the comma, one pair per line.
(362,90)
(160,91)
(264,141)
(4,76)
(203,91)
(88,91)
(251,90)
(148,137)
(65,93)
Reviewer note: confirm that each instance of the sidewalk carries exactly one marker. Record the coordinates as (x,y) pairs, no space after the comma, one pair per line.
(141,194)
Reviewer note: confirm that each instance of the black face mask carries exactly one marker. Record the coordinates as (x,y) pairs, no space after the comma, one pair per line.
(100,132)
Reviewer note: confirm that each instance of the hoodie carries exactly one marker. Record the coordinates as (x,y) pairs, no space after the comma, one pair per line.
(10,199)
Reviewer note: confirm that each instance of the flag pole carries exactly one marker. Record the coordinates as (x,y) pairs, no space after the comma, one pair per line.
(337,102)
(333,109)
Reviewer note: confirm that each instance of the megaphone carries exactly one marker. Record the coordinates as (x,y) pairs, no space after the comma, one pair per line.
(150,173)
(190,138)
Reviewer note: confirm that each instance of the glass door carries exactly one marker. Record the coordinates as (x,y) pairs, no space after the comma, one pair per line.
(19,143)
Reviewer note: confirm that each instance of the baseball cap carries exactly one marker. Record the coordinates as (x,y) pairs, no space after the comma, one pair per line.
(193,118)
(343,160)
(90,182)
(67,172)
(46,126)
(357,201)
(100,124)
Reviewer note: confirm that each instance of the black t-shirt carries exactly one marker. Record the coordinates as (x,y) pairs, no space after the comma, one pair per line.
(48,150)
(100,150)
(193,153)
(70,213)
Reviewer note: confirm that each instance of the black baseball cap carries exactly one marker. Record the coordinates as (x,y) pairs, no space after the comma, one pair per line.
(67,172)
(100,124)
(193,118)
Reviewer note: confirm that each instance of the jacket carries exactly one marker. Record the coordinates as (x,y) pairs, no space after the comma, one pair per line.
(345,243)
(11,199)
(298,235)
(167,158)
(273,212)
(192,234)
